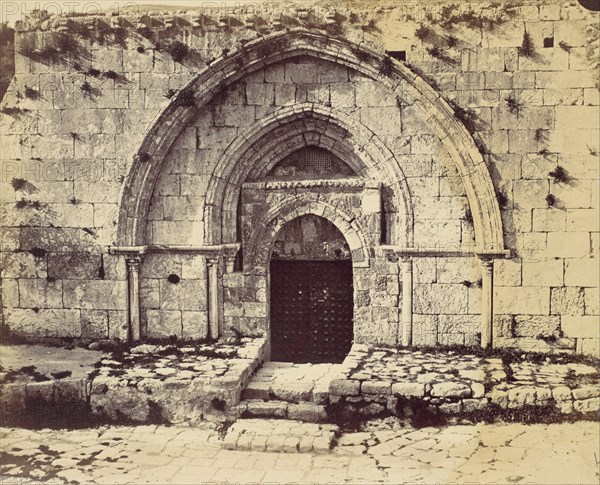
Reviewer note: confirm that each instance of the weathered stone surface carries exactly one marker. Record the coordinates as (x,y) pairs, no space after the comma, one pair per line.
(536,326)
(587,405)
(586,392)
(450,389)
(91,295)
(344,387)
(376,387)
(567,301)
(406,389)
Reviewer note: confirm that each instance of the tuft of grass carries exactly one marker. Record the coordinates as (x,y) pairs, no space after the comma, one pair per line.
(560,175)
(360,54)
(31,93)
(513,105)
(527,48)
(424,33)
(386,66)
(186,98)
(502,200)
(540,135)
(93,72)
(468,216)
(144,157)
(550,200)
(169,93)
(451,41)
(564,46)
(178,51)
(18,183)
(110,74)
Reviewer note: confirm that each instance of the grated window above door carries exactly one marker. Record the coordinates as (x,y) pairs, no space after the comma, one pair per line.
(316,160)
(311,162)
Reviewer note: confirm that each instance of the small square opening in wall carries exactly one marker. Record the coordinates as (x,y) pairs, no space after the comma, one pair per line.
(398,55)
(549,42)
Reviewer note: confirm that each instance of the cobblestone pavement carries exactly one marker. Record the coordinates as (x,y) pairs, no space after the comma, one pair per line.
(501,453)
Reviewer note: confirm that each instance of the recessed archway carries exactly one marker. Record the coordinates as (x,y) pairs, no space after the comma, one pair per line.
(311,292)
(407,86)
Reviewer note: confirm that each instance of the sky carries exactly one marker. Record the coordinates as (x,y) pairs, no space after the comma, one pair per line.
(14,10)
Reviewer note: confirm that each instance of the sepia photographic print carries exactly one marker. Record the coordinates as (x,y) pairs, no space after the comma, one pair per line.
(300,242)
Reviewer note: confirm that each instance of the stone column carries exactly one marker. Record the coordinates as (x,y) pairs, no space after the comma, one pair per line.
(487,301)
(133,282)
(406,268)
(212,264)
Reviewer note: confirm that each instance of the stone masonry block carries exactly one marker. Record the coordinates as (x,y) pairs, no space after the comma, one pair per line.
(74,266)
(344,387)
(581,326)
(440,298)
(408,389)
(582,272)
(523,300)
(567,300)
(95,295)
(40,293)
(536,326)
(545,272)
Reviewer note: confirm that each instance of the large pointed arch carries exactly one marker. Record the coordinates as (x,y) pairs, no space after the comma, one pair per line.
(433,109)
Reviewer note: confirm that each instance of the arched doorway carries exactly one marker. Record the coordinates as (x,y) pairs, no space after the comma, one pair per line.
(311,292)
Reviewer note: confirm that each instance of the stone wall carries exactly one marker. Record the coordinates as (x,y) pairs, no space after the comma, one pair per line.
(87,90)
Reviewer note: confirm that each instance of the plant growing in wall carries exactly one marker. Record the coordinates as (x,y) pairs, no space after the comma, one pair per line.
(424,33)
(527,48)
(178,51)
(502,200)
(110,74)
(33,204)
(169,93)
(560,175)
(451,41)
(468,216)
(386,66)
(186,98)
(31,93)
(370,26)
(550,200)
(18,183)
(564,46)
(513,105)
(93,72)
(540,135)
(10,111)
(143,157)
(86,88)
(360,54)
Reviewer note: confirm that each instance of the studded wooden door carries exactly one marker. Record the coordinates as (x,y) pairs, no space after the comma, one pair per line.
(311,310)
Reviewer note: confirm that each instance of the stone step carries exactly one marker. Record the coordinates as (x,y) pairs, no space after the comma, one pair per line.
(280,435)
(292,383)
(303,411)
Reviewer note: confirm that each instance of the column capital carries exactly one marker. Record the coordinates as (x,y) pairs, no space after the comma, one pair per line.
(487,264)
